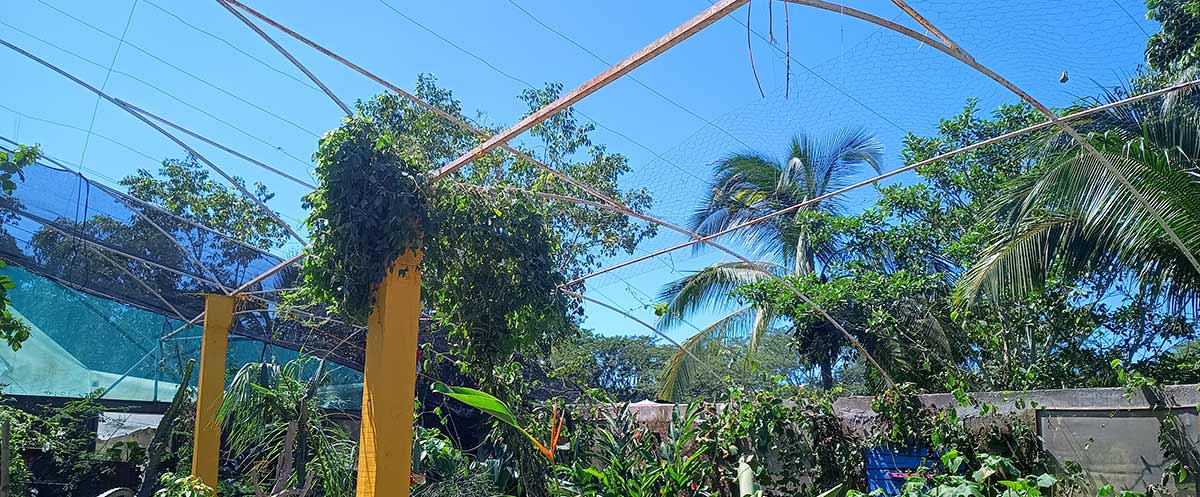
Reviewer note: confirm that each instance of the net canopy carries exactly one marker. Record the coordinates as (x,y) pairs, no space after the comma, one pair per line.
(897,77)
(112,287)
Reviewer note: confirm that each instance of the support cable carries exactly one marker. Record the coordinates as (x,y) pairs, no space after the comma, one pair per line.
(172,96)
(652,328)
(289,57)
(895,172)
(630,77)
(967,59)
(126,107)
(181,70)
(495,142)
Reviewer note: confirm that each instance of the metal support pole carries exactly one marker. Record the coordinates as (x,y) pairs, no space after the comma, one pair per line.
(389,383)
(206,440)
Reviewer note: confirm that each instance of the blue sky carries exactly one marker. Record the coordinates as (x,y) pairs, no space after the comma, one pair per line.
(196,64)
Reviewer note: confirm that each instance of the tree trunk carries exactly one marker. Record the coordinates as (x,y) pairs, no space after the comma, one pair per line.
(827,373)
(162,435)
(804,263)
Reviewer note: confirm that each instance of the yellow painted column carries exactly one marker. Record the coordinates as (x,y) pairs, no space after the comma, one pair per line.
(206,439)
(390,383)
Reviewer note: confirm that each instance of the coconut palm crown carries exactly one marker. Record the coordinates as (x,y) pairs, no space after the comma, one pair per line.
(746,186)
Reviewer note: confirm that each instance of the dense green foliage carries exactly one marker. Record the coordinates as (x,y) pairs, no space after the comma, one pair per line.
(59,445)
(490,277)
(185,189)
(183,486)
(1174,47)
(628,368)
(371,206)
(12,330)
(273,412)
(582,235)
(746,186)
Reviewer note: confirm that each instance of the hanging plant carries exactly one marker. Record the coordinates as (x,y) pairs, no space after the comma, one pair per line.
(489,273)
(370,206)
(490,277)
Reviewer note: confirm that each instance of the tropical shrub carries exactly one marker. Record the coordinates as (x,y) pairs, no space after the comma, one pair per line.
(183,486)
(273,414)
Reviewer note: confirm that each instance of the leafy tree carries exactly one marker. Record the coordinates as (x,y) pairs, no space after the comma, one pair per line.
(626,368)
(891,282)
(1073,220)
(185,189)
(1174,46)
(12,330)
(746,186)
(584,235)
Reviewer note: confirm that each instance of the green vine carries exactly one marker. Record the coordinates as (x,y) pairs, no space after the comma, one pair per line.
(489,275)
(489,271)
(370,206)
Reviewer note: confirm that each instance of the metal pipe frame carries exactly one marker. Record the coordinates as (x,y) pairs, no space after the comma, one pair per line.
(946,45)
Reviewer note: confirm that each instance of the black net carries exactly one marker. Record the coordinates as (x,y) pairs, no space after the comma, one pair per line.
(91,238)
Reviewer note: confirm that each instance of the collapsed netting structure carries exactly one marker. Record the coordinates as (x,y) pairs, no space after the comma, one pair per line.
(91,249)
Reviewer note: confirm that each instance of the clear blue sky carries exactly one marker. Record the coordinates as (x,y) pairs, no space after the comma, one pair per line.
(844,72)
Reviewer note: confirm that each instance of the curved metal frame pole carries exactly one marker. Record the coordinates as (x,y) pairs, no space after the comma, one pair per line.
(1023,131)
(289,57)
(964,57)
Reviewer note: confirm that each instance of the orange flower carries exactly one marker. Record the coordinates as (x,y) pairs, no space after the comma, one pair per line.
(556,424)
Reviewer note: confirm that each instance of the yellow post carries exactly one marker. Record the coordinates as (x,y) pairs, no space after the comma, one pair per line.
(206,439)
(390,383)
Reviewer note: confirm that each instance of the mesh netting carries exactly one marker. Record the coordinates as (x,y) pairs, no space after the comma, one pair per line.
(89,237)
(890,85)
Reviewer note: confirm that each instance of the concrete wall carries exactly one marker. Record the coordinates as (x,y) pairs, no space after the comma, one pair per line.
(1112,434)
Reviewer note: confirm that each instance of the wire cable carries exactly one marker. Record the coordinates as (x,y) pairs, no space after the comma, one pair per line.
(531,86)
(205,32)
(630,77)
(183,71)
(814,73)
(120,104)
(166,93)
(104,85)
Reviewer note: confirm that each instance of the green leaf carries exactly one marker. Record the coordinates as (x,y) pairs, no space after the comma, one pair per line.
(1046,480)
(480,400)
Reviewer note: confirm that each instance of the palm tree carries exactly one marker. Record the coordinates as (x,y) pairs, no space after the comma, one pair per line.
(1074,220)
(275,422)
(746,186)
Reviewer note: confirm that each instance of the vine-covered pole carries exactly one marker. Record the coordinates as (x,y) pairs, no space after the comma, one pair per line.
(206,438)
(390,382)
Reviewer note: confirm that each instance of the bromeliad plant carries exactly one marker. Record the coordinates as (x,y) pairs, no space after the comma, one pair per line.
(623,457)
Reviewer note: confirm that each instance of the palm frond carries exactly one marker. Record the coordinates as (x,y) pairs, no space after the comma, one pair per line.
(709,288)
(684,370)
(1079,217)
(1014,264)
